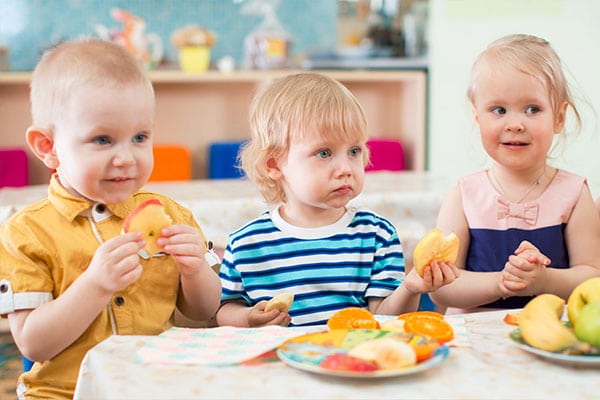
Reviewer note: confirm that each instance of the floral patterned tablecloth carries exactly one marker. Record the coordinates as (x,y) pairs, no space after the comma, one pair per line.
(492,367)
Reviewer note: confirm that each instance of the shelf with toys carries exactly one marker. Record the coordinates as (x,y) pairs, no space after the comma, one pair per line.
(197,109)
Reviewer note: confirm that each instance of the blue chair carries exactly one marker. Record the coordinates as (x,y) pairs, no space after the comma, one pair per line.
(223,160)
(426,304)
(27,364)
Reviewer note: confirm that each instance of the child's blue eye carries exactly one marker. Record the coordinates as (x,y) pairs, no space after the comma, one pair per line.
(101,139)
(140,138)
(355,151)
(532,110)
(323,153)
(499,110)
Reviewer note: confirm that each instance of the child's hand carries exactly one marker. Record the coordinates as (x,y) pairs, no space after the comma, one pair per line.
(525,272)
(116,263)
(258,317)
(435,275)
(186,245)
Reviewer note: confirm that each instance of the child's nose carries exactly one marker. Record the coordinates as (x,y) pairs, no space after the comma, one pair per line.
(124,156)
(515,124)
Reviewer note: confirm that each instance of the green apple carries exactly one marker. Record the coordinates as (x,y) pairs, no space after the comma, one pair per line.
(587,324)
(586,292)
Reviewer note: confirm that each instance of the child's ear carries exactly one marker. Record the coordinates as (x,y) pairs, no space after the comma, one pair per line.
(561,117)
(474,112)
(41,143)
(273,170)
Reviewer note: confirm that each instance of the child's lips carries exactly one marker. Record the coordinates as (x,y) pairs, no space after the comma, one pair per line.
(344,189)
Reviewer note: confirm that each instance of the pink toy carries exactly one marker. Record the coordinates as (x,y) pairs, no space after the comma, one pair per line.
(386,155)
(14,167)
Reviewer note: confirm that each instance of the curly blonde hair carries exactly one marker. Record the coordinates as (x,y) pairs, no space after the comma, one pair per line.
(291,108)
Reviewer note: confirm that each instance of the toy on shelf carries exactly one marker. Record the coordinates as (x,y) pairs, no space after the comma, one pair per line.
(148,47)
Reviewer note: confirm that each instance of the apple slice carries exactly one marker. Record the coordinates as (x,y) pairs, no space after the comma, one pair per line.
(149,218)
(435,246)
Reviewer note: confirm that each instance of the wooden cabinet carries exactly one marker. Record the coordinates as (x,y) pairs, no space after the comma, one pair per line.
(197,109)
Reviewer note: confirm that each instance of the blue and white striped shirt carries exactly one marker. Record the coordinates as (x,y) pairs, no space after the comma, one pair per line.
(327,268)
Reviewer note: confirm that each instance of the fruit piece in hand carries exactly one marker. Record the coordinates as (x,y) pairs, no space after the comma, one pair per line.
(587,324)
(282,302)
(586,292)
(435,246)
(149,218)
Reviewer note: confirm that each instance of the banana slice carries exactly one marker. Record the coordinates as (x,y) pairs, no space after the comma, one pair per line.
(387,353)
(282,302)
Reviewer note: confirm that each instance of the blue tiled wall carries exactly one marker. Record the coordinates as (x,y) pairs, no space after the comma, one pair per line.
(28,27)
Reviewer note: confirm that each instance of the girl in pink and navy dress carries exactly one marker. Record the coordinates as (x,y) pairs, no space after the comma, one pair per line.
(525,227)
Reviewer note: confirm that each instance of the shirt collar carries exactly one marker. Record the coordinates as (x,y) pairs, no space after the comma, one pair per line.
(70,206)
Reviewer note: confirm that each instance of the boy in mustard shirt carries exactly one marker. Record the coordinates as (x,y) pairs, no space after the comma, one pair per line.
(69,278)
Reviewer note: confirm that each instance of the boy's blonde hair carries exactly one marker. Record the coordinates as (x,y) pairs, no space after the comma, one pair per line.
(79,62)
(533,56)
(293,108)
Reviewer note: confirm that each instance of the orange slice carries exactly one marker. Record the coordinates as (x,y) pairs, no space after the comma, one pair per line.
(353,318)
(421,313)
(437,328)
(435,246)
(512,318)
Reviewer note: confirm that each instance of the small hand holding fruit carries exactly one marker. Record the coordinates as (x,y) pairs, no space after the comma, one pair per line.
(149,218)
(435,246)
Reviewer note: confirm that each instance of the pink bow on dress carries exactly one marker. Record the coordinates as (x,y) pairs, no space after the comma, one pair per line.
(527,212)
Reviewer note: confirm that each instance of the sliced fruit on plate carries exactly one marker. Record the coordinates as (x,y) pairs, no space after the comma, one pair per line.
(437,328)
(512,318)
(353,318)
(421,313)
(386,353)
(345,362)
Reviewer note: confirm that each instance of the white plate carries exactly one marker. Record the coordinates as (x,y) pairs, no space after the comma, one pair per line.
(584,360)
(307,355)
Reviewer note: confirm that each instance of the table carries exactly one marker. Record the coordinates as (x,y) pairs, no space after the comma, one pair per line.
(492,368)
(410,200)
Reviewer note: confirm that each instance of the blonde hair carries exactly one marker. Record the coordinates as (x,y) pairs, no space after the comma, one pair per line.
(79,62)
(292,108)
(533,56)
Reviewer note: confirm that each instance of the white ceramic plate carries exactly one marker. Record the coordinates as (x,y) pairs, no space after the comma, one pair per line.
(306,355)
(584,360)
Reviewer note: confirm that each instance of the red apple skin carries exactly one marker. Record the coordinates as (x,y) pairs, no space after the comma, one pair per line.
(137,210)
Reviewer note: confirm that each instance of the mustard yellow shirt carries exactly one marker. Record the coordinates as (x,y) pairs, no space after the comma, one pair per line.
(46,246)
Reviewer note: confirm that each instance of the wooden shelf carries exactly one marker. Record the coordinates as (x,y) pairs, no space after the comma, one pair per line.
(197,109)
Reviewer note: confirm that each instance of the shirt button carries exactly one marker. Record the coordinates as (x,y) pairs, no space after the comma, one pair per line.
(119,301)
(100,208)
(3,288)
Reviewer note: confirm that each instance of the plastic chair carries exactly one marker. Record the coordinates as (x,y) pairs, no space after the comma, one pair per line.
(223,160)
(386,155)
(27,364)
(14,167)
(172,162)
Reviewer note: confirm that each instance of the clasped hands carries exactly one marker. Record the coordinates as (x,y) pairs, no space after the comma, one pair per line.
(524,273)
